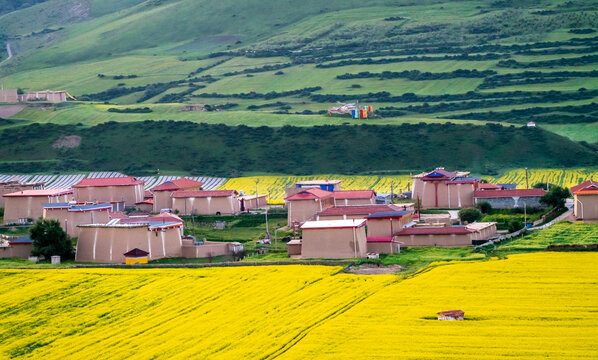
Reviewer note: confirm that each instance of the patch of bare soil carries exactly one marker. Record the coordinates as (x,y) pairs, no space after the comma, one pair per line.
(70,141)
(7,111)
(373,269)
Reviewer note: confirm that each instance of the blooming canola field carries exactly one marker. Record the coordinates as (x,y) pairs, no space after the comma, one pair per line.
(528,306)
(274,185)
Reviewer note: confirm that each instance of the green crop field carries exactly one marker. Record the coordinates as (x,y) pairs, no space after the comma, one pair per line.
(263,64)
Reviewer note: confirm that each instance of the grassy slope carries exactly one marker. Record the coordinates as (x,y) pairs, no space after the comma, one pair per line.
(128,37)
(229,151)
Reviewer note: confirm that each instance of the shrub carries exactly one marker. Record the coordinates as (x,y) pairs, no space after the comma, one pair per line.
(470,215)
(484,207)
(514,225)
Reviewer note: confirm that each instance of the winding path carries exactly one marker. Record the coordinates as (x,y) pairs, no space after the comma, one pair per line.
(9,51)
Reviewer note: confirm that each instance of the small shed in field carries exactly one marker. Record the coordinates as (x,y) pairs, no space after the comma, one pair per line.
(136,256)
(451,315)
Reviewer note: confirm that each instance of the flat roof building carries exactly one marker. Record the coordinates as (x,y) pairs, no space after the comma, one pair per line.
(128,190)
(71,215)
(203,202)
(506,199)
(354,197)
(334,239)
(107,243)
(29,204)
(304,205)
(359,211)
(162,194)
(444,189)
(446,236)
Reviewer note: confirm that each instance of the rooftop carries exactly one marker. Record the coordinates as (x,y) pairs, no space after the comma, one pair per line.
(204,193)
(318,182)
(354,194)
(508,193)
(586,185)
(356,210)
(117,181)
(436,230)
(310,194)
(389,214)
(45,192)
(385,239)
(178,184)
(136,253)
(333,224)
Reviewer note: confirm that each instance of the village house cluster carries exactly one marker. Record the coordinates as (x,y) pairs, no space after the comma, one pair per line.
(333,223)
(92,211)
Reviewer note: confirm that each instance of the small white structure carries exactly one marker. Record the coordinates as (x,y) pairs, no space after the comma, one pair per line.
(531,124)
(451,315)
(55,260)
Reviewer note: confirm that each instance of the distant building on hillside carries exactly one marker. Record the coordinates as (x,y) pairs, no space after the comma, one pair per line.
(9,96)
(45,95)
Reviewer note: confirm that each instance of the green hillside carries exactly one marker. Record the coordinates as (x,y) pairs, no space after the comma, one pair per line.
(276,63)
(143,147)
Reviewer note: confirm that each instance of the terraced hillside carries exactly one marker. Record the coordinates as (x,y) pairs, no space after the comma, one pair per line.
(265,63)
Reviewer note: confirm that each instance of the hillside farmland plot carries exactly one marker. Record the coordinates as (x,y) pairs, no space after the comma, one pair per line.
(526,307)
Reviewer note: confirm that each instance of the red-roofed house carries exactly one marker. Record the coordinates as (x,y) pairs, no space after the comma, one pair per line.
(200,202)
(163,192)
(120,189)
(468,235)
(354,197)
(444,189)
(381,228)
(505,199)
(29,204)
(303,206)
(585,197)
(488,186)
(359,211)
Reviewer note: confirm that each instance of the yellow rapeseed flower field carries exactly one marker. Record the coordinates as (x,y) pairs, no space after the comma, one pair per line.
(526,307)
(274,185)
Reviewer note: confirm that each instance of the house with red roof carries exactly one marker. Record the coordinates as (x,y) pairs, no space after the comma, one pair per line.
(354,197)
(359,211)
(441,188)
(299,186)
(304,205)
(446,236)
(585,198)
(127,190)
(506,199)
(21,206)
(203,202)
(162,194)
(381,228)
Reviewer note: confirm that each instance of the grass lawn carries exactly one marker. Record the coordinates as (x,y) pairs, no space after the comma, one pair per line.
(415,258)
(562,233)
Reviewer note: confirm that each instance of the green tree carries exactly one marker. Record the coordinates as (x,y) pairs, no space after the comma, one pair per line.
(555,197)
(50,239)
(470,215)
